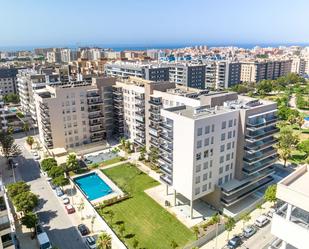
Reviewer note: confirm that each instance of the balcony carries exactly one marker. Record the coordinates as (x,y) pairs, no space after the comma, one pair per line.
(154,110)
(166,126)
(261,144)
(155,118)
(260,134)
(140,105)
(256,167)
(156,103)
(166,169)
(95,115)
(260,155)
(94,110)
(166,179)
(97,130)
(166,159)
(139,97)
(140,113)
(166,149)
(166,137)
(94,103)
(154,142)
(141,135)
(261,122)
(139,141)
(140,127)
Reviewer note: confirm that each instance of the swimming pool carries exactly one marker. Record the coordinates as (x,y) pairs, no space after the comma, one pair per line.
(307,118)
(93,186)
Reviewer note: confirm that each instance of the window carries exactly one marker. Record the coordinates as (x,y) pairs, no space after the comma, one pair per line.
(199,131)
(233,145)
(222,136)
(229,135)
(228,146)
(234,133)
(223,125)
(206,142)
(198,168)
(209,185)
(230,123)
(205,165)
(231,176)
(221,159)
(205,176)
(227,167)
(197,191)
(210,174)
(231,165)
(220,181)
(199,144)
(197,179)
(228,157)
(232,155)
(210,164)
(222,148)
(204,188)
(207,129)
(211,152)
(220,170)
(206,153)
(234,121)
(226,178)
(198,156)
(212,128)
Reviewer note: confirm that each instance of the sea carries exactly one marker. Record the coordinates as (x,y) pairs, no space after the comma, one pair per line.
(151,46)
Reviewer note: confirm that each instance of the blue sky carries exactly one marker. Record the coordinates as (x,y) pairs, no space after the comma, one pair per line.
(152,22)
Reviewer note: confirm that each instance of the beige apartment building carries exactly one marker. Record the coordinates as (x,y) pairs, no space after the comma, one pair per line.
(74,114)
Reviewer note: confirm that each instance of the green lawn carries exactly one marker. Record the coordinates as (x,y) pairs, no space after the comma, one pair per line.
(144,220)
(112,161)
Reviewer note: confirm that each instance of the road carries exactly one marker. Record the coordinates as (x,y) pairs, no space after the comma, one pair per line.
(262,238)
(51,213)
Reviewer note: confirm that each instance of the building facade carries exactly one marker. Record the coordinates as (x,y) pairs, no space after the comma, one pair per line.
(8,80)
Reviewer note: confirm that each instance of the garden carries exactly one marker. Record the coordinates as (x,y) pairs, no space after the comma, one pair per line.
(139,221)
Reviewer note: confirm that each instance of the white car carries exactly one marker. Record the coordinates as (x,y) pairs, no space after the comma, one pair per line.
(261,221)
(36,156)
(91,242)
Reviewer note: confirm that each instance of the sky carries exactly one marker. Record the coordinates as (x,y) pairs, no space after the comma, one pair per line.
(152,22)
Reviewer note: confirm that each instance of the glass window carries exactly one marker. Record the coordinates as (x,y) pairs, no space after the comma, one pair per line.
(221,159)
(210,163)
(209,185)
(226,178)
(206,142)
(205,165)
(199,131)
(198,168)
(205,187)
(207,129)
(229,135)
(220,181)
(220,170)
(222,136)
(223,125)
(199,144)
(212,128)
(228,146)
(234,121)
(198,156)
(231,123)
(228,157)
(205,176)
(231,165)
(222,148)
(234,133)
(206,153)
(197,179)
(197,191)
(210,174)
(227,167)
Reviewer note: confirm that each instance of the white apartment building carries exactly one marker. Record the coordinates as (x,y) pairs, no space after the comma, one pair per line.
(8,80)
(291,220)
(30,80)
(204,155)
(74,114)
(3,121)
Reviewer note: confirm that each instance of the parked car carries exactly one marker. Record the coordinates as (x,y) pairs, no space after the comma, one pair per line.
(70,209)
(249,231)
(66,201)
(59,192)
(261,221)
(91,242)
(53,186)
(36,157)
(234,242)
(83,229)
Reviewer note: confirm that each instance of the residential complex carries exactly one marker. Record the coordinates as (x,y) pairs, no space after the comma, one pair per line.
(3,121)
(291,220)
(227,145)
(8,80)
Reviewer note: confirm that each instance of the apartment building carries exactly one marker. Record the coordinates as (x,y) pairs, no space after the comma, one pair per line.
(7,228)
(255,71)
(29,80)
(53,56)
(3,121)
(298,66)
(8,80)
(291,220)
(67,55)
(151,72)
(73,114)
(232,153)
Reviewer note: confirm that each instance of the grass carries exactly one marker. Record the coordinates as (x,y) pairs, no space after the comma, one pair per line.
(297,157)
(112,161)
(144,219)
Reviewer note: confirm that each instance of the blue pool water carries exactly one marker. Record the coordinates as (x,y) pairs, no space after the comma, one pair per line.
(93,186)
(307,118)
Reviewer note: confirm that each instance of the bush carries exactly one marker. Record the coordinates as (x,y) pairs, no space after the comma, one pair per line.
(55,171)
(48,163)
(17,188)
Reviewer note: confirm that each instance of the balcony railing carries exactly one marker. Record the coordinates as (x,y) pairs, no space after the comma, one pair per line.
(256,167)
(166,126)
(166,179)
(260,155)
(259,145)
(152,102)
(262,122)
(252,136)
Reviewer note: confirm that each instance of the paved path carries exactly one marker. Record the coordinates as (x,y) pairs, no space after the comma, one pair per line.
(57,223)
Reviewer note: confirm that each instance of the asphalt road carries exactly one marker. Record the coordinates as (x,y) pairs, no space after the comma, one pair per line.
(55,220)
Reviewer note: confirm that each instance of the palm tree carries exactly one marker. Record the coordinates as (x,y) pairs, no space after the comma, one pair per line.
(229,225)
(104,241)
(245,218)
(216,220)
(30,141)
(71,163)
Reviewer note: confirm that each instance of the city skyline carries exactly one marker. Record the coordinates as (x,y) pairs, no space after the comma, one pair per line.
(172,23)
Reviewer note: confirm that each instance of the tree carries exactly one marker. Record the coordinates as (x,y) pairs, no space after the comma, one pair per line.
(71,163)
(81,207)
(142,153)
(25,202)
(245,218)
(48,163)
(17,188)
(216,220)
(260,207)
(196,231)
(60,181)
(154,155)
(286,141)
(174,244)
(264,86)
(104,241)
(135,243)
(270,193)
(30,141)
(304,146)
(11,98)
(300,121)
(9,148)
(128,146)
(29,220)
(229,225)
(55,171)
(122,142)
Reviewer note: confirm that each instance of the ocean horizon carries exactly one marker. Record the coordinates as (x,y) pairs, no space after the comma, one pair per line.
(145,47)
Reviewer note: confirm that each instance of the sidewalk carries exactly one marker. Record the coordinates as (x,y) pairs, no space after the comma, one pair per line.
(222,238)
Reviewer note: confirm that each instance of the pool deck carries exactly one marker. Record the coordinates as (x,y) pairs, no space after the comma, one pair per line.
(116,190)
